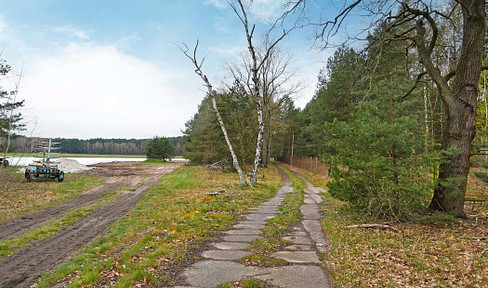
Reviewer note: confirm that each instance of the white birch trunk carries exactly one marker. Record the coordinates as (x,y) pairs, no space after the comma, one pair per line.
(426,119)
(235,162)
(257,157)
(211,93)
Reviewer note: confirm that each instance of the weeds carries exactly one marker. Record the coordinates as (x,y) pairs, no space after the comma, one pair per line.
(277,227)
(164,230)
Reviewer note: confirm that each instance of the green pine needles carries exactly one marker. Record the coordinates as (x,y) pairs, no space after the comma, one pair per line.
(379,161)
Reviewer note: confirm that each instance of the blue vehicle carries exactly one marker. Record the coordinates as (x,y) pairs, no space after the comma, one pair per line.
(43,170)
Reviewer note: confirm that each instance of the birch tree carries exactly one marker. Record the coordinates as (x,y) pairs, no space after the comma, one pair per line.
(258,59)
(211,93)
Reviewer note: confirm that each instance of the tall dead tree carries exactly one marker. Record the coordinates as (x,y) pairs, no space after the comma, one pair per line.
(258,59)
(417,22)
(211,93)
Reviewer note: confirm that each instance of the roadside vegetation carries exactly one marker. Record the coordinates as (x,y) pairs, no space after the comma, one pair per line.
(277,227)
(437,250)
(164,231)
(17,197)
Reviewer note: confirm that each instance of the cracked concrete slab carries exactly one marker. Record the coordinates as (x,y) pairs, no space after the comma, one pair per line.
(297,256)
(298,248)
(306,238)
(225,254)
(244,232)
(300,240)
(211,273)
(259,217)
(248,226)
(310,211)
(231,245)
(240,238)
(302,276)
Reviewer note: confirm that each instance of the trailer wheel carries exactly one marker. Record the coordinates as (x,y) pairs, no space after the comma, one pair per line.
(28,176)
(5,163)
(61,177)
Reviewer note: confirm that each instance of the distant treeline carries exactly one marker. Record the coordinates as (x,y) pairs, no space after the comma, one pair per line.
(97,146)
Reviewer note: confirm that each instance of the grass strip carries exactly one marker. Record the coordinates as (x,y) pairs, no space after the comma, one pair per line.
(8,247)
(164,231)
(277,227)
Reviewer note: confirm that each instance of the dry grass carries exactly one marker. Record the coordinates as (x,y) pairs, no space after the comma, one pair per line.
(318,180)
(18,197)
(446,254)
(161,234)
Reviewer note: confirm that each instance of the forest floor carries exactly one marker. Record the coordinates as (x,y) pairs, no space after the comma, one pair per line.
(46,221)
(435,250)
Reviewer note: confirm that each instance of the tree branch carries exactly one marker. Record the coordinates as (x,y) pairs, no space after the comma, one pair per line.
(417,80)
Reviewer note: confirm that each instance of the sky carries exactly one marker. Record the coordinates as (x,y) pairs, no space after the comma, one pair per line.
(111,69)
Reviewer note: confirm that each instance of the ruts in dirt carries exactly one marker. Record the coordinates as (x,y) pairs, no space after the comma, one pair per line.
(31,262)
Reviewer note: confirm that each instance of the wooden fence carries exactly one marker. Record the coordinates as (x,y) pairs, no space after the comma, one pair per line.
(313,164)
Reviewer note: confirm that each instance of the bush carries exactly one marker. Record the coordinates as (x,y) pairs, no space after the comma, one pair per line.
(159,148)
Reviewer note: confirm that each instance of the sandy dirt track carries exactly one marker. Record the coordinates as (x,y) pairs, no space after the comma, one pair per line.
(27,264)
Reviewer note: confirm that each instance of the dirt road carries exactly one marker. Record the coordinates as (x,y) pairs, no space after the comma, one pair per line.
(27,264)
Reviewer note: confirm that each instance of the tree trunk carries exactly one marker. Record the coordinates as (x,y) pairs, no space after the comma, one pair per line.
(257,157)
(266,138)
(227,140)
(450,191)
(460,103)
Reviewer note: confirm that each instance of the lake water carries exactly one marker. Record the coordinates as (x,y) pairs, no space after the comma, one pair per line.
(24,161)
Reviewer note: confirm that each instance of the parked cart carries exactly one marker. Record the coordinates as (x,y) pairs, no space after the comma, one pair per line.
(45,167)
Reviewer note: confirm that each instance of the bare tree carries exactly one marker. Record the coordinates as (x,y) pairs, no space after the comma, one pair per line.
(417,22)
(211,93)
(258,60)
(276,85)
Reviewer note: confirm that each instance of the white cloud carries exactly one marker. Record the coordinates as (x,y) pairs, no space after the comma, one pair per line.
(92,91)
(221,4)
(74,32)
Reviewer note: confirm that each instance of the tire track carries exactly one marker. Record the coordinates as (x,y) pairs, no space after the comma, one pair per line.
(29,263)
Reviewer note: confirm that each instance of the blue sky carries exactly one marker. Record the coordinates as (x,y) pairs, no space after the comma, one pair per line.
(111,69)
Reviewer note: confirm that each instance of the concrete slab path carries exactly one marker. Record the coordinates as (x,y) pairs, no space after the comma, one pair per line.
(219,265)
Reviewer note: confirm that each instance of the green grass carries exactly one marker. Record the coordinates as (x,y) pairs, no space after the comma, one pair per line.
(155,161)
(8,247)
(19,197)
(163,230)
(277,227)
(482,176)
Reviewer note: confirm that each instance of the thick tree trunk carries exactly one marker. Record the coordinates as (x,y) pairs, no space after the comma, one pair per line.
(459,132)
(460,103)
